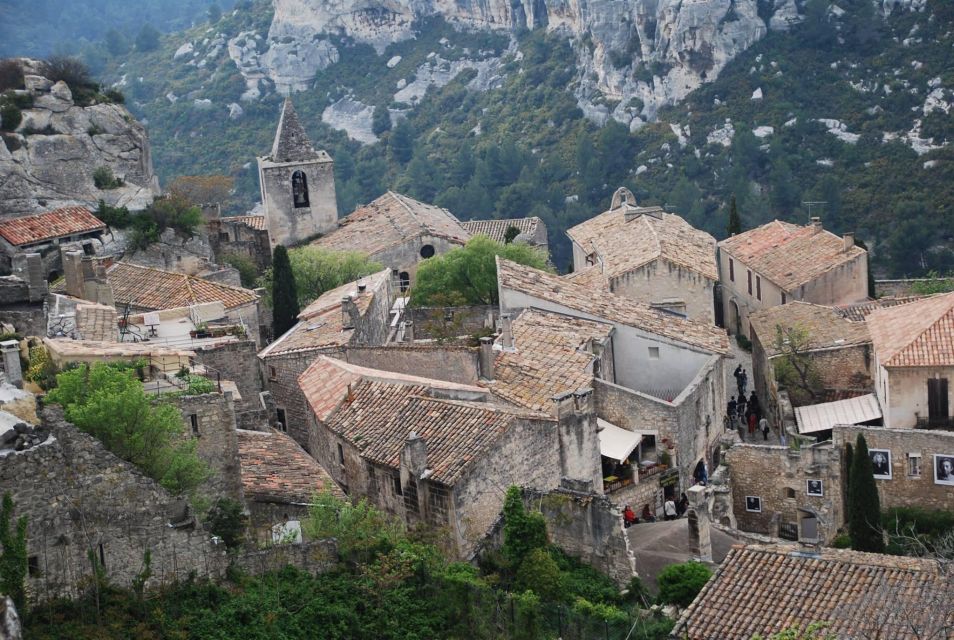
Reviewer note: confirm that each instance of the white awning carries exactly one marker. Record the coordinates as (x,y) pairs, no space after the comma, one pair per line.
(616,443)
(821,417)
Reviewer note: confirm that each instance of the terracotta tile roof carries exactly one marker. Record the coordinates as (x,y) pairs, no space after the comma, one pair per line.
(497,229)
(918,334)
(552,355)
(391,220)
(276,469)
(325,383)
(760,590)
(649,233)
(859,312)
(64,348)
(320,324)
(787,254)
(606,306)
(58,223)
(592,277)
(825,326)
(254,222)
(148,288)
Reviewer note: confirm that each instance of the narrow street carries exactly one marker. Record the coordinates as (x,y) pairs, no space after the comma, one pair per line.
(743,357)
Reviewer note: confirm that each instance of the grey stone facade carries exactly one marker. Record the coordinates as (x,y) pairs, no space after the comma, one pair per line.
(451,363)
(210,420)
(238,362)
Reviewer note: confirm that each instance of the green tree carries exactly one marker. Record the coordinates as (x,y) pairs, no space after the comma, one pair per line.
(109,403)
(116,42)
(735,221)
(284,293)
(13,555)
(147,39)
(511,234)
(523,532)
(214,12)
(401,142)
(380,120)
(679,584)
(470,271)
(317,270)
(361,531)
(227,520)
(864,506)
(539,573)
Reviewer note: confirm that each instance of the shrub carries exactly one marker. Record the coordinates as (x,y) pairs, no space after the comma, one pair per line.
(115,96)
(523,531)
(362,532)
(10,116)
(841,541)
(70,70)
(11,75)
(199,385)
(116,217)
(42,371)
(744,343)
(539,573)
(248,272)
(226,519)
(679,584)
(13,554)
(103,178)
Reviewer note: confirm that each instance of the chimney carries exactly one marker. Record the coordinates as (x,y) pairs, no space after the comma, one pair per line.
(29,268)
(485,360)
(349,313)
(700,534)
(506,332)
(583,401)
(10,350)
(408,331)
(849,240)
(564,403)
(816,225)
(73,271)
(414,457)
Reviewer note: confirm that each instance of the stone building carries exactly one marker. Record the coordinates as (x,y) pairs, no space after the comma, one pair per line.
(648,255)
(531,231)
(298,185)
(838,348)
(760,590)
(663,375)
(794,494)
(397,232)
(46,233)
(280,481)
(781,262)
(914,360)
(245,236)
(357,313)
(441,453)
(209,419)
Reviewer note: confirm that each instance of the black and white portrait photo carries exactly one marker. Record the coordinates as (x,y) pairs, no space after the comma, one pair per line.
(753,503)
(944,469)
(815,488)
(881,462)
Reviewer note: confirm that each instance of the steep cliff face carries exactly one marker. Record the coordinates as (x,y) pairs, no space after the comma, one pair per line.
(50,158)
(633,56)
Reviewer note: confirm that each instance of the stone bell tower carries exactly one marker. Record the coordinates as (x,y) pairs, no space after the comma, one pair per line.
(298,185)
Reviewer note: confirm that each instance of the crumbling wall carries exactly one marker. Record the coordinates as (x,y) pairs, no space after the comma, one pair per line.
(238,362)
(210,420)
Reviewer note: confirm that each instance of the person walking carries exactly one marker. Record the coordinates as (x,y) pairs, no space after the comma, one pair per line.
(754,402)
(670,509)
(743,382)
(737,373)
(740,408)
(730,406)
(764,428)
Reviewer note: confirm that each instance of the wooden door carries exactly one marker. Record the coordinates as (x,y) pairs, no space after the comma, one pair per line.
(937,399)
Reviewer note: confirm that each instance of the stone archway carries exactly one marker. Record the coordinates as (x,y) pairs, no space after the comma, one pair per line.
(735,318)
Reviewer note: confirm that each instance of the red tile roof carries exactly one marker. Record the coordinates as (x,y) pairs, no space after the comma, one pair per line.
(58,223)
(276,469)
(917,334)
(255,222)
(148,288)
(761,590)
(497,229)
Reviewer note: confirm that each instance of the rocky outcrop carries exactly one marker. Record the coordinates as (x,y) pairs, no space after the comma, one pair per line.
(49,160)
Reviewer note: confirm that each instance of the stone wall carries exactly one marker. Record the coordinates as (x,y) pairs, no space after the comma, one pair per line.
(660,281)
(905,489)
(229,237)
(452,363)
(901,287)
(238,362)
(210,420)
(446,322)
(290,226)
(281,373)
(779,477)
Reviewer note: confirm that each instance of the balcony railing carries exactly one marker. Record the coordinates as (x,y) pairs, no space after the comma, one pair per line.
(945,422)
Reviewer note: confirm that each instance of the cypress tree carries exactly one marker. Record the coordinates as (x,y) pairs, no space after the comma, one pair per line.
(846,473)
(13,555)
(284,293)
(735,222)
(864,506)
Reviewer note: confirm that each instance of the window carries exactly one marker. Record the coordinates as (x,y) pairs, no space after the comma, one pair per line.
(404,279)
(731,270)
(299,189)
(397,486)
(427,251)
(102,556)
(654,353)
(340,454)
(784,298)
(750,281)
(789,492)
(914,465)
(758,287)
(33,566)
(272,373)
(282,421)
(194,421)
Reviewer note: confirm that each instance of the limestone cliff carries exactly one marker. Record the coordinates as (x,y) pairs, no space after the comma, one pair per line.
(49,160)
(656,51)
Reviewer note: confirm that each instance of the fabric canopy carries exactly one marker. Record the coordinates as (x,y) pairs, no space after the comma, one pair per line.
(616,443)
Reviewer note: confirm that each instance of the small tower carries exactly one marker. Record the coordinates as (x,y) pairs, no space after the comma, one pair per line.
(298,185)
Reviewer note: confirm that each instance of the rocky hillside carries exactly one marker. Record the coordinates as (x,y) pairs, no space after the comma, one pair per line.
(848,105)
(63,153)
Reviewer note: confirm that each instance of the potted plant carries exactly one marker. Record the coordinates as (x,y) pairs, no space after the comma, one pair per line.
(201,331)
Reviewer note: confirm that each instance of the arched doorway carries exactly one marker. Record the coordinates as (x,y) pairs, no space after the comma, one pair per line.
(735,318)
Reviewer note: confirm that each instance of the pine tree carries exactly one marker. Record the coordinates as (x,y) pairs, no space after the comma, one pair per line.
(284,293)
(864,506)
(735,222)
(13,555)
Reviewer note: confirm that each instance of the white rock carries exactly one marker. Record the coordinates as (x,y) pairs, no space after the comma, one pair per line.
(393,62)
(680,136)
(401,84)
(838,129)
(757,94)
(930,164)
(825,162)
(722,136)
(935,102)
(171,97)
(641,169)
(353,117)
(183,51)
(202,103)
(763,131)
(235,111)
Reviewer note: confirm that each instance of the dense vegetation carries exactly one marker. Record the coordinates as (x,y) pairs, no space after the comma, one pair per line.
(536,155)
(388,584)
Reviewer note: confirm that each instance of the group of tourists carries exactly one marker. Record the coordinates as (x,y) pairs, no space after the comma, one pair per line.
(748,412)
(671,511)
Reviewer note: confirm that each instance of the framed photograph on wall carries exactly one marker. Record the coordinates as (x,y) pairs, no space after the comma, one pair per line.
(815,488)
(944,468)
(881,463)
(753,504)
